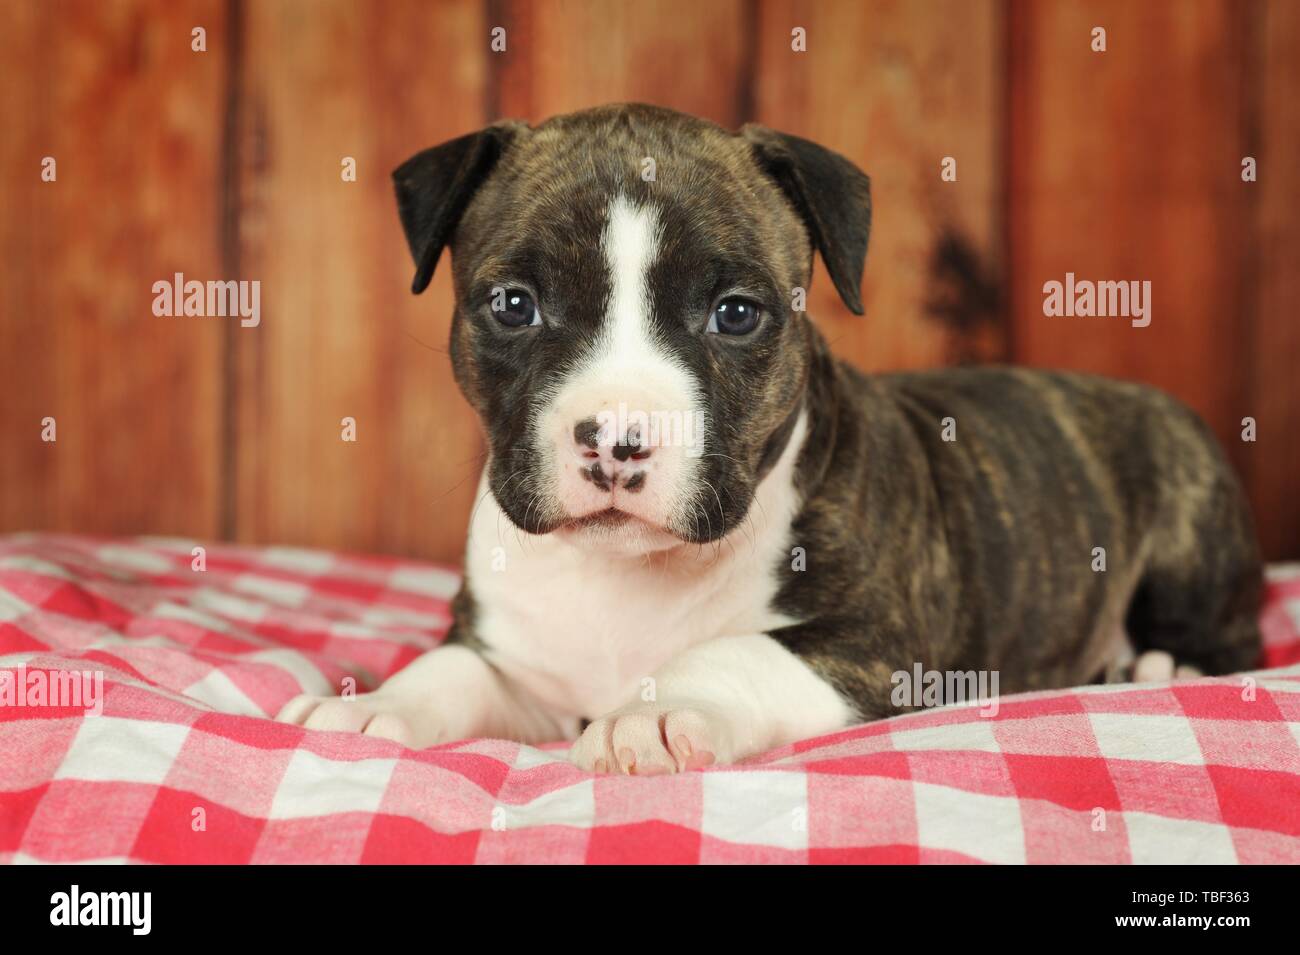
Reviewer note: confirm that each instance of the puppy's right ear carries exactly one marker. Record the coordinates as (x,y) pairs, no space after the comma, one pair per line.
(435,186)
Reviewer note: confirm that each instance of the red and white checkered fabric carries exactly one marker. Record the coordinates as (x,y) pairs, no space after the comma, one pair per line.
(184,764)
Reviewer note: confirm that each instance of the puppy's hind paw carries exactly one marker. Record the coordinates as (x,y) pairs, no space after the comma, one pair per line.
(1157,666)
(1154,666)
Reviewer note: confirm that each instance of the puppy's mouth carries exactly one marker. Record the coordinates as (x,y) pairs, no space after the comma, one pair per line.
(610,517)
(618,532)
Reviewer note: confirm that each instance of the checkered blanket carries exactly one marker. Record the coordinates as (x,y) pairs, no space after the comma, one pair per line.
(175,758)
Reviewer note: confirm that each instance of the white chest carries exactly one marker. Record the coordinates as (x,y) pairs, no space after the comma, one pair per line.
(584,633)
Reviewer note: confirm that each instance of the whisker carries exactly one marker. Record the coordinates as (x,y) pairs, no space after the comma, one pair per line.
(423,344)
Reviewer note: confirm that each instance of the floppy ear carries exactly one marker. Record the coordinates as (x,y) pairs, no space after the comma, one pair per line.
(435,186)
(831,194)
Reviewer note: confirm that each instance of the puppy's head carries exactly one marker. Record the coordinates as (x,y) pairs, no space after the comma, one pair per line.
(626,321)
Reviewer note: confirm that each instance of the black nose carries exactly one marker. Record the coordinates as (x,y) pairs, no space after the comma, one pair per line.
(587,433)
(628,447)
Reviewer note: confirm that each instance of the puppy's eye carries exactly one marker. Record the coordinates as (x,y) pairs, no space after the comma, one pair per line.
(734,316)
(515,308)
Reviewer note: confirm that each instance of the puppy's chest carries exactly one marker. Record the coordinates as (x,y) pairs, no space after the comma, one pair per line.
(582,632)
(585,636)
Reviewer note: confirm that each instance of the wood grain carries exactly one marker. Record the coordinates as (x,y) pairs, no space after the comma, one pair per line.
(564,55)
(133,118)
(1125,165)
(341,334)
(1273,462)
(895,87)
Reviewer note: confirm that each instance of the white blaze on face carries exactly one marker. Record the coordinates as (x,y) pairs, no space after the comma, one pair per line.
(631,246)
(629,377)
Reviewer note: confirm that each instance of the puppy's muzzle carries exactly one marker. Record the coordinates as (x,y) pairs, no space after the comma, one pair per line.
(614,445)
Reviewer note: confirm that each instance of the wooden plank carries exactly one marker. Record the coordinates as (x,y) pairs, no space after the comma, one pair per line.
(565,55)
(895,87)
(1274,396)
(132,117)
(341,334)
(1125,165)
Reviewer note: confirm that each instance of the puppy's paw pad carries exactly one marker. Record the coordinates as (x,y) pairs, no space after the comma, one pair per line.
(649,741)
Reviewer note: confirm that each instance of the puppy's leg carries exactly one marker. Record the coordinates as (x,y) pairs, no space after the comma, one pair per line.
(718,702)
(1199,593)
(448,694)
(1200,614)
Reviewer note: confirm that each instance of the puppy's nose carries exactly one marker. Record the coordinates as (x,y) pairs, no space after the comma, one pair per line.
(587,433)
(598,443)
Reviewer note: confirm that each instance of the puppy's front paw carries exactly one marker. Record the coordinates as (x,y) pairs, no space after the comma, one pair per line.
(651,740)
(368,713)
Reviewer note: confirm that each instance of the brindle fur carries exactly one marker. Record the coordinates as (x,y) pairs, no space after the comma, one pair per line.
(977,553)
(973,554)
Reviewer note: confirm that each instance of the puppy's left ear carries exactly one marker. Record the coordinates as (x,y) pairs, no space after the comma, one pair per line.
(435,186)
(833,197)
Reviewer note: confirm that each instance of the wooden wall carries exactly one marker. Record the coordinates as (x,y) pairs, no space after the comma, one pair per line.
(134,122)
(226,164)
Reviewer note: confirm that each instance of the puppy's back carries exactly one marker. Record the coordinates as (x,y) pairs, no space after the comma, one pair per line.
(1074,497)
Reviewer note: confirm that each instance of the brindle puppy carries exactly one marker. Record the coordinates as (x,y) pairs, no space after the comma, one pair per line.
(702,532)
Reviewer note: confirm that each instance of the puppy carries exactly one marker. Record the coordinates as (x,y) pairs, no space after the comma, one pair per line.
(700,536)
